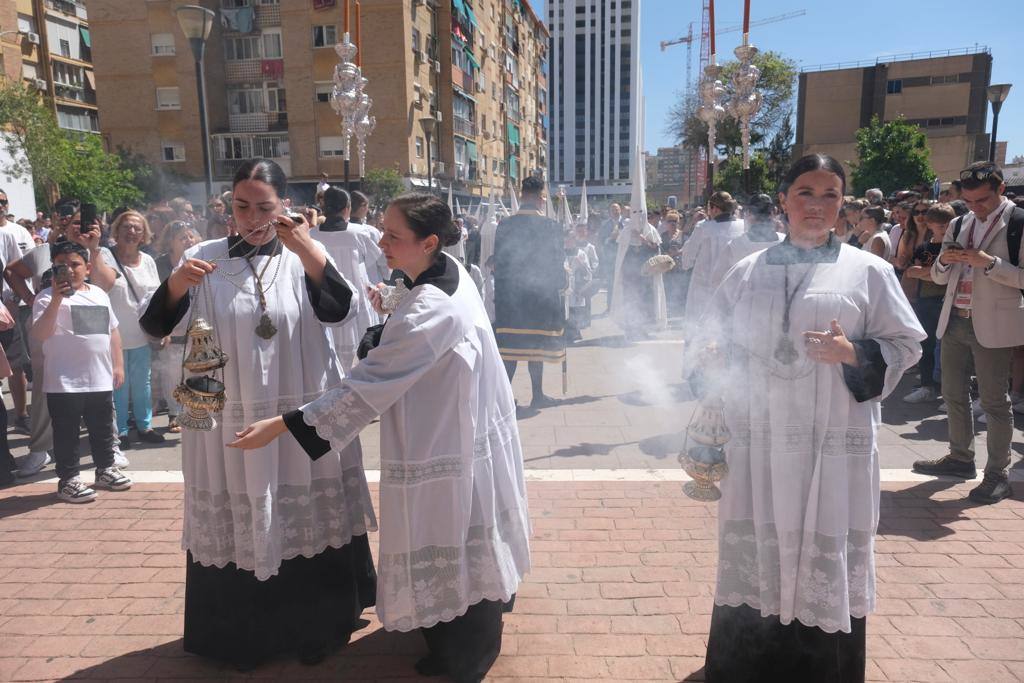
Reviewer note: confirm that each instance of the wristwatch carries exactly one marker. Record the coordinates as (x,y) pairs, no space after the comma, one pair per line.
(991,265)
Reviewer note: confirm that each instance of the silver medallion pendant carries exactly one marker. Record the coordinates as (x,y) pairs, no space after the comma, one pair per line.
(266,329)
(785,351)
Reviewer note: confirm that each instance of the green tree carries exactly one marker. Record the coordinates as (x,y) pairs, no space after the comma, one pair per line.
(381,185)
(94,175)
(778,75)
(31,132)
(779,152)
(891,156)
(729,176)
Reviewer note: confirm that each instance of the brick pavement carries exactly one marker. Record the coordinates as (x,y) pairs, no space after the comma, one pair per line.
(621,590)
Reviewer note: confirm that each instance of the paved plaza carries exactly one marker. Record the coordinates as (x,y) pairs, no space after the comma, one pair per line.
(624,563)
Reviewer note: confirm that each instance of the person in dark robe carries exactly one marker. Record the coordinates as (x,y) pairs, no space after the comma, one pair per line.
(529,277)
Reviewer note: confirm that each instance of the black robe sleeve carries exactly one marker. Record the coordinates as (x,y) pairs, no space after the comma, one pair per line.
(866,379)
(306,435)
(159,319)
(332,299)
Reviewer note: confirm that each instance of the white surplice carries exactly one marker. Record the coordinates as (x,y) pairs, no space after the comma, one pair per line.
(700,253)
(454,522)
(358,259)
(257,508)
(628,236)
(738,249)
(800,503)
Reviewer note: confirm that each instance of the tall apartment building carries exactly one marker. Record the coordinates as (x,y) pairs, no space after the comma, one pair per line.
(269,65)
(595,108)
(944,93)
(47,44)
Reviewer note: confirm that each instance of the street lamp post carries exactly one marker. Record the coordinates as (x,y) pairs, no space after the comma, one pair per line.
(428,124)
(996,95)
(196,22)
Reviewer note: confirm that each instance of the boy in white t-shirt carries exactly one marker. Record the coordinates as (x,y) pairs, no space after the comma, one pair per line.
(78,330)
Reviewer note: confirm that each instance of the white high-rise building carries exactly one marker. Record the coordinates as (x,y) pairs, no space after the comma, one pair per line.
(594,92)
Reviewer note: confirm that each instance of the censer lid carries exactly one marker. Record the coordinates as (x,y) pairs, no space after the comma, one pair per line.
(200,328)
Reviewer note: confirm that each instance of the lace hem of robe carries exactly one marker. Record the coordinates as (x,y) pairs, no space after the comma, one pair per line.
(434,584)
(827,580)
(258,534)
(339,420)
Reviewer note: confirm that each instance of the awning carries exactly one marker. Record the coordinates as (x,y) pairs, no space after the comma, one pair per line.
(85,36)
(471,16)
(513,167)
(471,150)
(513,135)
(471,58)
(459,6)
(91,78)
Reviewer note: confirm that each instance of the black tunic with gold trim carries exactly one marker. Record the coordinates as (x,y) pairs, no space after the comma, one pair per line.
(529,277)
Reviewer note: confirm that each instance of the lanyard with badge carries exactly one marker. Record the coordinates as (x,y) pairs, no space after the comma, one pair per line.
(965,287)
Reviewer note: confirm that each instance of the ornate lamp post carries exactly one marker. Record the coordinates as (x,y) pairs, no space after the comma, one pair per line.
(348,98)
(746,101)
(711,94)
(196,22)
(996,95)
(428,124)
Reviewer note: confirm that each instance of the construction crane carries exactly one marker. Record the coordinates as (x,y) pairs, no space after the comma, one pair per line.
(696,166)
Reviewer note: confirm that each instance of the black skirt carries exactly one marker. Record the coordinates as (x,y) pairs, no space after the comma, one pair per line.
(310,608)
(466,647)
(744,646)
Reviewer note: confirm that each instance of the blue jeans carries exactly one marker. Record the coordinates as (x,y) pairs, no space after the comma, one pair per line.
(136,384)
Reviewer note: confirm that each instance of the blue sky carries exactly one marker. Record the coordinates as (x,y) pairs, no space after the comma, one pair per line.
(836,32)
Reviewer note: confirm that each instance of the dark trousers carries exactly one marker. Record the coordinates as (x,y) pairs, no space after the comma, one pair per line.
(743,647)
(66,413)
(536,369)
(467,646)
(7,463)
(928,311)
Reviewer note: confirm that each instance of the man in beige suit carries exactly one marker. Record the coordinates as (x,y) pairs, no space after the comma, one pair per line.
(982,319)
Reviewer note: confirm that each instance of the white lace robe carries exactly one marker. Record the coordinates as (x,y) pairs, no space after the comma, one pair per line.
(799,508)
(258,508)
(358,259)
(700,253)
(454,522)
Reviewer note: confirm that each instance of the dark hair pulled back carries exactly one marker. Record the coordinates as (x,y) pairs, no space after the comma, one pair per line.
(265,171)
(427,215)
(809,164)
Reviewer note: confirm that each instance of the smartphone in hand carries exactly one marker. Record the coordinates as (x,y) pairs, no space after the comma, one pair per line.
(88,215)
(952,245)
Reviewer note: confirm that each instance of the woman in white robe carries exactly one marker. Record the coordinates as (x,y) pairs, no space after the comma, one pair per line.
(817,332)
(638,300)
(454,523)
(356,256)
(700,253)
(278,560)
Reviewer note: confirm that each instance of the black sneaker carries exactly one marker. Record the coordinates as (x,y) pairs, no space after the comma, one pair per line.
(992,489)
(21,424)
(124,443)
(150,436)
(948,466)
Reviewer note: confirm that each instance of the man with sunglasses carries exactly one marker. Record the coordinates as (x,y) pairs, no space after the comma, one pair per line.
(982,320)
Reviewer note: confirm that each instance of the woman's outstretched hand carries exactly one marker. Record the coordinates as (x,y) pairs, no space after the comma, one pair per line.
(259,434)
(830,347)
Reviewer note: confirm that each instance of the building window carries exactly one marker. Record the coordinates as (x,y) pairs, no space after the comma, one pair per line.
(894,87)
(243,48)
(168,98)
(272,45)
(65,48)
(173,151)
(323,92)
(325,36)
(419,148)
(276,101)
(331,146)
(245,101)
(162,44)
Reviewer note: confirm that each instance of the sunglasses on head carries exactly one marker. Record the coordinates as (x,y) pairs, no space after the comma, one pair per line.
(980,174)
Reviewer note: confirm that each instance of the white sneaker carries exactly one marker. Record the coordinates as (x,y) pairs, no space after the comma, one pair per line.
(113,479)
(34,462)
(74,490)
(921,395)
(120,461)
(943,408)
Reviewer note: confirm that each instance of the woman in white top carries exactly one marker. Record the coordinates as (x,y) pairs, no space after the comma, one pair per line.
(137,279)
(814,333)
(872,237)
(454,525)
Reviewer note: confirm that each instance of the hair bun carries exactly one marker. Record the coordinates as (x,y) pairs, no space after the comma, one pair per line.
(450,235)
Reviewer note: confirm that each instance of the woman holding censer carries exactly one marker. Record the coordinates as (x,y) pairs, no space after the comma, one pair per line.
(278,559)
(814,333)
(454,524)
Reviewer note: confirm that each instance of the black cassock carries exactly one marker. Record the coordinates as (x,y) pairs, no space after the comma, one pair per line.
(529,277)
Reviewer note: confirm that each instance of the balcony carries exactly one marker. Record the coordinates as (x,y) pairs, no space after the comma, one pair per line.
(513,115)
(268,16)
(464,127)
(462,79)
(74,9)
(258,122)
(76,93)
(231,150)
(243,71)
